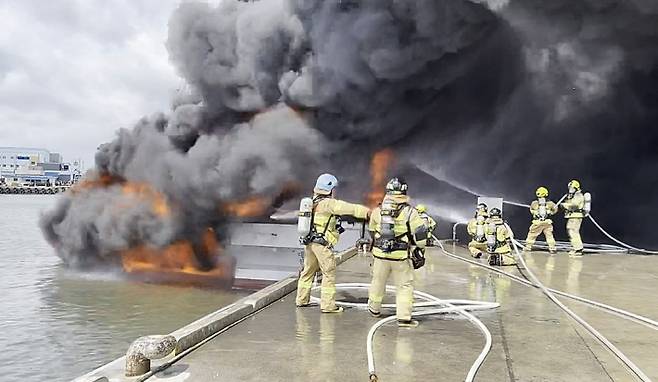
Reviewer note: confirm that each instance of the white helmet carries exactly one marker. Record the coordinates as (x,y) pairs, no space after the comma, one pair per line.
(325,184)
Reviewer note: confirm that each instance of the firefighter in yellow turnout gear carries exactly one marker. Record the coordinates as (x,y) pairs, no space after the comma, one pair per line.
(574,206)
(541,210)
(477,228)
(397,230)
(324,235)
(430,223)
(498,240)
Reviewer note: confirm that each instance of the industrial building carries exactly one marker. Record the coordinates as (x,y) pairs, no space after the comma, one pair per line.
(36,166)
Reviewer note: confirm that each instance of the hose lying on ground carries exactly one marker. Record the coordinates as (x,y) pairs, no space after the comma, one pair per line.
(565,246)
(448,306)
(652,324)
(595,333)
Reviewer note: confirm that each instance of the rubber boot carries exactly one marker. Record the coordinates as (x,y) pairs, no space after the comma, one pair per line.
(338,309)
(407,324)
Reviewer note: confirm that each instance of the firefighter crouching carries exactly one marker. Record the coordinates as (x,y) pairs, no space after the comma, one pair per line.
(477,229)
(498,240)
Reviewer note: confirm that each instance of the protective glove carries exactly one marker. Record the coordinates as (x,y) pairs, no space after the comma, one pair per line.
(418,257)
(362,241)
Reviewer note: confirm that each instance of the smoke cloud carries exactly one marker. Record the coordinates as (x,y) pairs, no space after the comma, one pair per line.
(498,95)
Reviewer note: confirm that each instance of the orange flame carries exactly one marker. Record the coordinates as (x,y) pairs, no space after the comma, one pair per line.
(101,181)
(379,166)
(252,206)
(144,192)
(178,261)
(257,205)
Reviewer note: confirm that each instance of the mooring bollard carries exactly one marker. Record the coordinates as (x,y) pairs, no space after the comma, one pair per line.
(144,349)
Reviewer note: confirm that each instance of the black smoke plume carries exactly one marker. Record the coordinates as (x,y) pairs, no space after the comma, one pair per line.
(500,96)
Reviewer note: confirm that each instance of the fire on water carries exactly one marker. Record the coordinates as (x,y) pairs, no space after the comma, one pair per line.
(189,260)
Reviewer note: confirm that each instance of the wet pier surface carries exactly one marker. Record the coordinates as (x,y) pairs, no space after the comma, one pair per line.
(533,340)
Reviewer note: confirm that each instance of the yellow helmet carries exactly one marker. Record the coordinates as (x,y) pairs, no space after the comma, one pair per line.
(541,192)
(421,208)
(574,184)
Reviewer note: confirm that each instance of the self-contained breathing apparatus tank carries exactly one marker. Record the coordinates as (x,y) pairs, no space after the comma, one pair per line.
(491,236)
(389,211)
(479,228)
(541,213)
(305,217)
(587,207)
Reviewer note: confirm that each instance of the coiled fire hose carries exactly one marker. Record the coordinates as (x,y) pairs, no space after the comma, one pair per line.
(460,307)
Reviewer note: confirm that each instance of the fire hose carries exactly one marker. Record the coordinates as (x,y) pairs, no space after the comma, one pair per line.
(595,333)
(463,306)
(550,293)
(652,324)
(460,307)
(628,246)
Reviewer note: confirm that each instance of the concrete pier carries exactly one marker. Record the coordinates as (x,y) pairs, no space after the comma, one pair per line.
(265,337)
(533,339)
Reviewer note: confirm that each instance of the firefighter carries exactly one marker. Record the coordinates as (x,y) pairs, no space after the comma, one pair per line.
(477,228)
(574,206)
(430,223)
(541,209)
(318,244)
(397,230)
(498,240)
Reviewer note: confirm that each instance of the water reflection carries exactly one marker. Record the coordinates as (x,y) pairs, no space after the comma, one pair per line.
(480,285)
(550,268)
(327,359)
(404,349)
(67,323)
(573,275)
(302,326)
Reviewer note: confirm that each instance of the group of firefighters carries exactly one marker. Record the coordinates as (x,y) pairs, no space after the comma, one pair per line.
(489,234)
(399,234)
